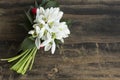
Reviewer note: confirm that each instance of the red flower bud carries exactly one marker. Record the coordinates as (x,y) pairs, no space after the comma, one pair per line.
(34,10)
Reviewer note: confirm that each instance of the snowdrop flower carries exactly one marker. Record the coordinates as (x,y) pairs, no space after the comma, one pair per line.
(37,33)
(61,30)
(49,15)
(49,43)
(48,28)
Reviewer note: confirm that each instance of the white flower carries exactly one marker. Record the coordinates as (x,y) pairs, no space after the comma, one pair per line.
(37,33)
(61,30)
(48,16)
(49,43)
(48,28)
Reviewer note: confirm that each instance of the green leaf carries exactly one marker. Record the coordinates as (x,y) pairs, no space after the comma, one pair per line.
(51,3)
(29,17)
(57,41)
(28,43)
(36,4)
(44,2)
(28,20)
(26,25)
(69,23)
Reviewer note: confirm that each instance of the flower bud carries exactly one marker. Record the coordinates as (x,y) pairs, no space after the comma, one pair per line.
(34,10)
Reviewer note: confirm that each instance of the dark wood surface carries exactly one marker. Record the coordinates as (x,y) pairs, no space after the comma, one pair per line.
(92,52)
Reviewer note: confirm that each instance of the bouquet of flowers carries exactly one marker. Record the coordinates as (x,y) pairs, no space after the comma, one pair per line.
(45,30)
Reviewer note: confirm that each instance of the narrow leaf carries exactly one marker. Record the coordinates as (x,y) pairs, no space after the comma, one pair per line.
(29,17)
(52,4)
(43,2)
(36,4)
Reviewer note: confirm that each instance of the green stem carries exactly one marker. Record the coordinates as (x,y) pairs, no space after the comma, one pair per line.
(17,57)
(25,59)
(16,66)
(22,65)
(33,58)
(27,65)
(25,62)
(14,58)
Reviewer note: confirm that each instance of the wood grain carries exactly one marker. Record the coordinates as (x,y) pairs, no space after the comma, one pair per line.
(90,53)
(90,19)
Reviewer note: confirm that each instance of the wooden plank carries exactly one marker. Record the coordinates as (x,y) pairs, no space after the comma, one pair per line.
(78,62)
(83,2)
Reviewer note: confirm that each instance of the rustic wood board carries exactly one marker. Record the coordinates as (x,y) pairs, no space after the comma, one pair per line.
(91,18)
(90,53)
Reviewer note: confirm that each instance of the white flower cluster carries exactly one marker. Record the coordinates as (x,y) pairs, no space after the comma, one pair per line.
(48,28)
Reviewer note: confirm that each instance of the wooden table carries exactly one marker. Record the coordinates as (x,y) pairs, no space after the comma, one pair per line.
(92,52)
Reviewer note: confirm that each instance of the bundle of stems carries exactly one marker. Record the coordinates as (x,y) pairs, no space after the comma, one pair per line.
(24,61)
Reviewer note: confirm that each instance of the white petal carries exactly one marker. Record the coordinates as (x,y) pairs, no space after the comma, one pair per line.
(39,19)
(41,32)
(60,15)
(47,27)
(37,43)
(68,31)
(46,42)
(53,47)
(44,37)
(42,22)
(37,29)
(59,35)
(34,26)
(48,36)
(41,10)
(47,47)
(62,40)
(31,32)
(37,14)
